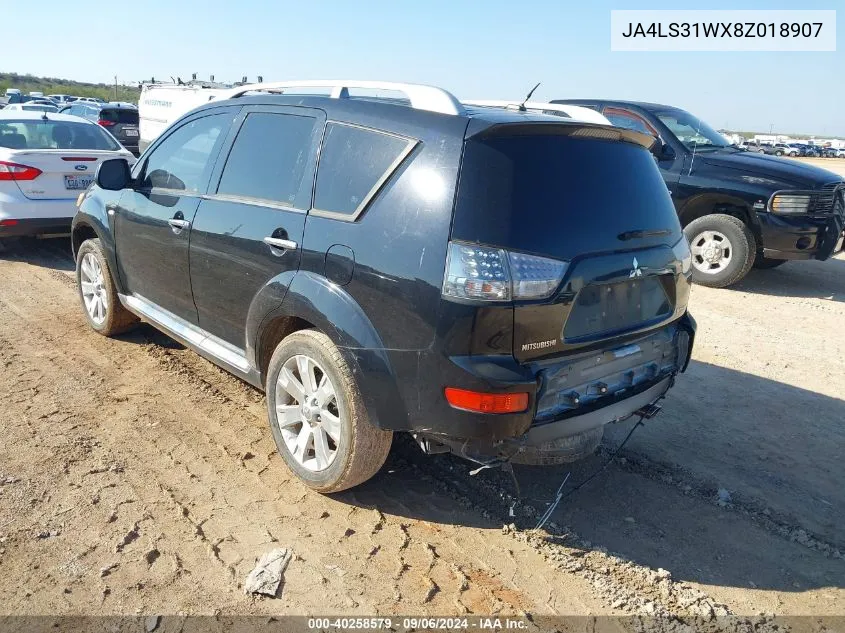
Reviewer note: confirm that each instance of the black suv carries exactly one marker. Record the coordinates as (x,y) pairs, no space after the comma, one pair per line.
(498,283)
(739,209)
(119,119)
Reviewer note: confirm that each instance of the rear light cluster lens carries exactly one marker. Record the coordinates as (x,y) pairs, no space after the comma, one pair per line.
(13,171)
(105,123)
(494,274)
(682,252)
(487,402)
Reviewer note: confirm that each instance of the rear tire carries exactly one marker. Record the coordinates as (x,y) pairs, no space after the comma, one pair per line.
(325,436)
(97,292)
(723,250)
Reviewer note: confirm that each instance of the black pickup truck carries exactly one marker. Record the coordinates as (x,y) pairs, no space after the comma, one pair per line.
(739,209)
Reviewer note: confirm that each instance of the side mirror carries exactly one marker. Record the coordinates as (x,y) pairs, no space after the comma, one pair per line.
(114,174)
(664,151)
(661,150)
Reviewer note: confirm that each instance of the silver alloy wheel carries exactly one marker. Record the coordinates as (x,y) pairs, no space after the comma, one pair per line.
(711,252)
(307,413)
(93,288)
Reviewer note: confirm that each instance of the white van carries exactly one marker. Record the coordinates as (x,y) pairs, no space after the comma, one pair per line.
(162,103)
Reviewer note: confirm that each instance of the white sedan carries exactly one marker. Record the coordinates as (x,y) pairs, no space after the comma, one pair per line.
(31,107)
(46,161)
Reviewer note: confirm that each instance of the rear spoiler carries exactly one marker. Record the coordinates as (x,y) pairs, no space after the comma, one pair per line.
(564,128)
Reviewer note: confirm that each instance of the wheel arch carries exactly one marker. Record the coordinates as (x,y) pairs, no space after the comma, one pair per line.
(312,301)
(712,203)
(85,227)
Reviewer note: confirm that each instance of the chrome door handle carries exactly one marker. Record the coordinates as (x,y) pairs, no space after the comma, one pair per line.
(110,208)
(178,224)
(275,242)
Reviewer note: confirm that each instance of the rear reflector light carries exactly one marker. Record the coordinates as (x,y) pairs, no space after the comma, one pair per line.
(13,171)
(79,159)
(105,123)
(8,222)
(494,274)
(487,402)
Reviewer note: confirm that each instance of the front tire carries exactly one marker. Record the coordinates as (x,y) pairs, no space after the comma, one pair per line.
(723,250)
(318,419)
(97,292)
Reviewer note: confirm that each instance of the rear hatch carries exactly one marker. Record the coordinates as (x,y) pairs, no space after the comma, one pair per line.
(122,123)
(65,154)
(588,196)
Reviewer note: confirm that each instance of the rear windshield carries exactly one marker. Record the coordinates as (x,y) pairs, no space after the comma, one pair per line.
(561,196)
(40,134)
(120,116)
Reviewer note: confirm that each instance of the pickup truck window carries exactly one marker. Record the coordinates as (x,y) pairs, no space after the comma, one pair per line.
(628,120)
(690,130)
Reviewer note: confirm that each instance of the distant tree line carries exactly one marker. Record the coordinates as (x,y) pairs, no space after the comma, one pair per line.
(53,85)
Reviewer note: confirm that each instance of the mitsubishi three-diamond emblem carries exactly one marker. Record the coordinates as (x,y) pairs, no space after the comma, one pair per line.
(636,271)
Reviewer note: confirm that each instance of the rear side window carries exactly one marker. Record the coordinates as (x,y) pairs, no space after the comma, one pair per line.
(269,157)
(354,163)
(120,116)
(183,160)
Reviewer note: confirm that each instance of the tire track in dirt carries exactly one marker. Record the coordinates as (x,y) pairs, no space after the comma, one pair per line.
(215,431)
(194,467)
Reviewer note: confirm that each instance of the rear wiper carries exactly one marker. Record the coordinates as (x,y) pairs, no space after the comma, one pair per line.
(631,235)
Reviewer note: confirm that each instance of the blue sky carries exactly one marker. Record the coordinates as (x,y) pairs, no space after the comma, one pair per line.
(477,49)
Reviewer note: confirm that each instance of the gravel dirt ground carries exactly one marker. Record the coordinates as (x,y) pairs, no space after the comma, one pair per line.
(135,477)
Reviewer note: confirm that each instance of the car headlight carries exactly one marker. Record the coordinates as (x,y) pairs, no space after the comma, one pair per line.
(786,203)
(682,253)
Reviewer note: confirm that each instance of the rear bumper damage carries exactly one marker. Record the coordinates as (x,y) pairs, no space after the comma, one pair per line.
(573,399)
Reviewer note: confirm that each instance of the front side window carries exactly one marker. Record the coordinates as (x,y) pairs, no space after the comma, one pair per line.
(183,160)
(269,157)
(354,163)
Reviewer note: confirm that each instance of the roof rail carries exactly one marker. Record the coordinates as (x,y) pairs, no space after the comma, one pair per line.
(578,113)
(422,97)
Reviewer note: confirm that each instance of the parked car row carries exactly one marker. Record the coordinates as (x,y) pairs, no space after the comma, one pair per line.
(793,149)
(499,279)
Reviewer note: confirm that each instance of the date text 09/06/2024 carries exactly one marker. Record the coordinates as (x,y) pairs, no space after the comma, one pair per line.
(416,623)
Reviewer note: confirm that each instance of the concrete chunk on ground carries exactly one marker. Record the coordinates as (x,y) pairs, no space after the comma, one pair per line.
(267,575)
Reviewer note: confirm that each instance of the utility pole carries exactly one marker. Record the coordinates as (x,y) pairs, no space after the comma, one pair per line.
(771,127)
(115,87)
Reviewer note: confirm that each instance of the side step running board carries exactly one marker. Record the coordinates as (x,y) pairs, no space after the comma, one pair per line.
(211,347)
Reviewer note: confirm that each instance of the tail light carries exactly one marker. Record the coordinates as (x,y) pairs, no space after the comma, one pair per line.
(487,402)
(105,123)
(13,171)
(482,273)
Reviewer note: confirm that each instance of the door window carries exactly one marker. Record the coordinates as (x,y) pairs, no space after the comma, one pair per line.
(269,157)
(183,160)
(629,121)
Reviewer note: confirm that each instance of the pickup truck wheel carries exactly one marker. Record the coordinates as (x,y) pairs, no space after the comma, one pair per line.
(317,416)
(103,310)
(723,250)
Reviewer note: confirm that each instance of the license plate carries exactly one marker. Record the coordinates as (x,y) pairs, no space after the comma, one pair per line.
(131,132)
(78,182)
